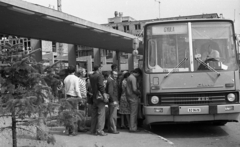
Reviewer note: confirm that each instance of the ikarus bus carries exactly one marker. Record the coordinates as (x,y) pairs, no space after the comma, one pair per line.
(190,71)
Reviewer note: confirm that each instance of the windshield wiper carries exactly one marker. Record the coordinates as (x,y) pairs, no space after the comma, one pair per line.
(207,66)
(179,64)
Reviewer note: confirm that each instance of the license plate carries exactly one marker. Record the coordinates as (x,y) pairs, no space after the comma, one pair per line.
(229,108)
(194,109)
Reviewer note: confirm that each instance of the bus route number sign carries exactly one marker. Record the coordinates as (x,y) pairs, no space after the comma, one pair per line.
(169,29)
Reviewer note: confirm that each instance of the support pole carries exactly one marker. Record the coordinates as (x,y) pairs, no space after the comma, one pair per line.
(97,57)
(104,60)
(36,44)
(130,62)
(116,59)
(89,63)
(72,54)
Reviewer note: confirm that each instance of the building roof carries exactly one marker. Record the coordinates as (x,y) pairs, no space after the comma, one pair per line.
(199,16)
(20,18)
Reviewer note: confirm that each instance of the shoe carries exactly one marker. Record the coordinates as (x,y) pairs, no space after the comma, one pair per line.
(101,133)
(90,132)
(73,134)
(114,132)
(82,130)
(123,127)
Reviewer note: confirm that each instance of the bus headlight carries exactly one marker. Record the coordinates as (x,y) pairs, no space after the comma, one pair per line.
(231,97)
(154,99)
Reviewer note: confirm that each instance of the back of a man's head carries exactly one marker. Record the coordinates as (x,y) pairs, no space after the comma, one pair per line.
(137,71)
(96,68)
(114,67)
(71,69)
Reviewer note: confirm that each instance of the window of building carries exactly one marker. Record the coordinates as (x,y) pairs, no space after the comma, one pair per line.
(27,44)
(126,28)
(137,26)
(115,27)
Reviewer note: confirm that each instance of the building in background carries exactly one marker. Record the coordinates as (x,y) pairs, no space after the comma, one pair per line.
(129,25)
(26,42)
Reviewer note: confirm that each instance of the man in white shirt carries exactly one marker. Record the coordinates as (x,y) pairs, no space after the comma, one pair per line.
(71,83)
(73,96)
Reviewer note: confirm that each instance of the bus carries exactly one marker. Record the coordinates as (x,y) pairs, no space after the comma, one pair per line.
(190,71)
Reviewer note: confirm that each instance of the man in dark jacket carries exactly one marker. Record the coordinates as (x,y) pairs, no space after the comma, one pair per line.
(112,89)
(98,107)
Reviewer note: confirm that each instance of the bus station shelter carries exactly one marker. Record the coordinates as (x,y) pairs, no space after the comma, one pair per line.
(20,18)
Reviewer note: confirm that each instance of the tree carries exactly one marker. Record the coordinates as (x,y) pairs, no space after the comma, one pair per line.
(23,90)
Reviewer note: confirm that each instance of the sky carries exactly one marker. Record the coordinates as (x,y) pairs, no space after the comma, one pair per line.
(98,11)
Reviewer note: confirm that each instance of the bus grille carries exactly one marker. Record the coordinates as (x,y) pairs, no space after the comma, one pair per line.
(193,99)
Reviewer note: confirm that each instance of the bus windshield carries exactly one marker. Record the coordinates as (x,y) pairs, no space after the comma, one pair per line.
(190,47)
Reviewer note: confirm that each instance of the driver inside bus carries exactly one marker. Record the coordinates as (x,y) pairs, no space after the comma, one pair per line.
(213,60)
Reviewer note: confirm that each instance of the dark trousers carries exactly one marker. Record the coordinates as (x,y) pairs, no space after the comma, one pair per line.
(98,116)
(112,119)
(133,114)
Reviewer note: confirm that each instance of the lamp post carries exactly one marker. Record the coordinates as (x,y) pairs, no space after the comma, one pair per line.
(159,2)
(59,5)
(60,47)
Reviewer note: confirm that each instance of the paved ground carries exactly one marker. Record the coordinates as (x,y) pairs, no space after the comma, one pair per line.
(124,139)
(200,135)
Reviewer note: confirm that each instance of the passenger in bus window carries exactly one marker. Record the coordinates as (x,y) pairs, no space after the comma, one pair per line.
(207,48)
(213,60)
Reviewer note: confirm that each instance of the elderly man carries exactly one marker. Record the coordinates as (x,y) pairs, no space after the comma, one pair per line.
(81,73)
(112,88)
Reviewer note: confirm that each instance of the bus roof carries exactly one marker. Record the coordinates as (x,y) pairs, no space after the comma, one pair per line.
(187,20)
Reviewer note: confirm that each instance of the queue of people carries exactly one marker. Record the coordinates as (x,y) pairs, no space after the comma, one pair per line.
(108,95)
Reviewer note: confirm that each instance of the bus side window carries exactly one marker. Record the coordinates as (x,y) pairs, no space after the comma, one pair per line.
(152,53)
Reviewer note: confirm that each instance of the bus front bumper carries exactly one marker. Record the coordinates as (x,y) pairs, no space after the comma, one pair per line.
(191,113)
(191,110)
